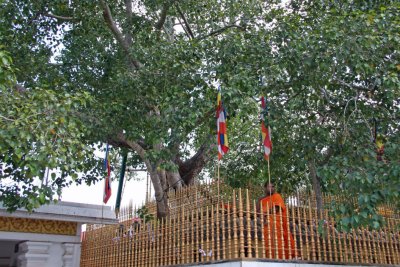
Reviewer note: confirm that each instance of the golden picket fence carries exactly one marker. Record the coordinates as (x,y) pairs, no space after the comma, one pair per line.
(203,228)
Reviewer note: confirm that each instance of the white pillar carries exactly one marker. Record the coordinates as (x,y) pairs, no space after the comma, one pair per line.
(33,254)
(56,253)
(48,254)
(72,254)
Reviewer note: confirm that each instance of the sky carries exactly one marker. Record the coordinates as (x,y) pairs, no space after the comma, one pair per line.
(133,190)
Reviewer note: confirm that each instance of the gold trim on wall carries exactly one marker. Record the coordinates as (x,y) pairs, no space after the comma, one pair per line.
(37,226)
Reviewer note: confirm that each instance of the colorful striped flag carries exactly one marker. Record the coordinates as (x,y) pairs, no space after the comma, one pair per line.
(107,181)
(265,130)
(222,136)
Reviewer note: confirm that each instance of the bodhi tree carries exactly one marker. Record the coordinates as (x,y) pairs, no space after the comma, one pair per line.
(148,67)
(146,71)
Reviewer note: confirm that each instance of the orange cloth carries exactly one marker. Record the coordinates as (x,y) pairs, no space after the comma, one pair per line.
(276,225)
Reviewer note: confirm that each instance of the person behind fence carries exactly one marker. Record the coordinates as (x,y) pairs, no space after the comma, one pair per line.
(279,242)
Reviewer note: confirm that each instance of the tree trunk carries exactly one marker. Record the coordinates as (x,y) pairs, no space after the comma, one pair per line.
(162,207)
(190,168)
(174,180)
(164,180)
(160,193)
(316,183)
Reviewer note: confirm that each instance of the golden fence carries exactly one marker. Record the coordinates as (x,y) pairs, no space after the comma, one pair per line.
(203,227)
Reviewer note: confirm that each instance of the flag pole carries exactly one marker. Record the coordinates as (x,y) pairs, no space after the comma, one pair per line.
(121,182)
(218,179)
(269,174)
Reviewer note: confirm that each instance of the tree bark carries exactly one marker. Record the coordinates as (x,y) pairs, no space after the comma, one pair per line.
(163,179)
(174,180)
(190,168)
(157,176)
(160,194)
(125,44)
(316,183)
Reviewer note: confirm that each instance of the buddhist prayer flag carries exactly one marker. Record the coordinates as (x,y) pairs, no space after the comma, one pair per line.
(222,136)
(265,130)
(107,181)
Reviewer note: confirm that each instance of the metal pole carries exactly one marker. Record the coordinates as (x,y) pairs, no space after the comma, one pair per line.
(121,182)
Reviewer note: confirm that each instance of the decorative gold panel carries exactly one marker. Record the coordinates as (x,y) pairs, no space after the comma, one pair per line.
(25,225)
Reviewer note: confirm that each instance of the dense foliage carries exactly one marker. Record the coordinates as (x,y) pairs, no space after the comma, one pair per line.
(142,75)
(39,133)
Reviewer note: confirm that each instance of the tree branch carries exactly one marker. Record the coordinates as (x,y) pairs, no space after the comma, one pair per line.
(192,167)
(5,118)
(184,28)
(113,27)
(352,86)
(138,149)
(117,33)
(117,143)
(128,7)
(316,183)
(129,14)
(174,146)
(221,30)
(121,141)
(184,20)
(58,17)
(163,16)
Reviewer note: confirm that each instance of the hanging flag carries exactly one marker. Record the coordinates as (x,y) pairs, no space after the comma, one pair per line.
(222,136)
(107,181)
(265,130)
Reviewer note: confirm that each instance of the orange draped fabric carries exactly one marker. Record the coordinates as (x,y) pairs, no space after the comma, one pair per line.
(275,227)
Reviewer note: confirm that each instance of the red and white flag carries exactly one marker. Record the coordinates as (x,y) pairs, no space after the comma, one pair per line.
(222,134)
(265,130)
(107,181)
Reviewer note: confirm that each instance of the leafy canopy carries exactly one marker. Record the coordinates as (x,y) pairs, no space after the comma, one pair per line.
(330,71)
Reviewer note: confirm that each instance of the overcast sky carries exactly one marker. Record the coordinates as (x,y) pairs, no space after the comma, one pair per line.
(134,190)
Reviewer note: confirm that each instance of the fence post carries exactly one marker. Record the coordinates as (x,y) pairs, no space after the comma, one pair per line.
(241,228)
(248,221)
(234,221)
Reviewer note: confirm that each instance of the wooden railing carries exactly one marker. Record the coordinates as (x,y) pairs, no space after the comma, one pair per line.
(202,228)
